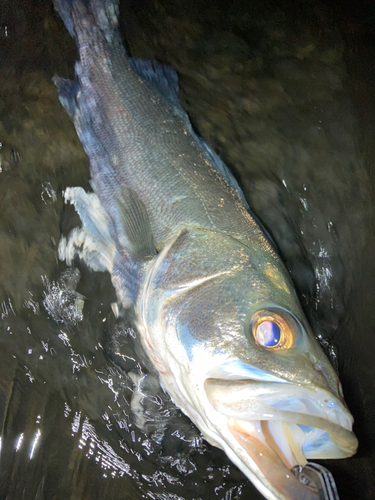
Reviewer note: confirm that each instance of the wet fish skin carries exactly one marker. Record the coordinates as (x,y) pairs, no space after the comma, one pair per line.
(171,225)
(161,159)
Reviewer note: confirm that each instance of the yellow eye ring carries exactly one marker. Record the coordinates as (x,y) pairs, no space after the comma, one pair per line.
(272,331)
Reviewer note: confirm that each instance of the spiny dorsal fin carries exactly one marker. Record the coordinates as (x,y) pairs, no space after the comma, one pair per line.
(135,225)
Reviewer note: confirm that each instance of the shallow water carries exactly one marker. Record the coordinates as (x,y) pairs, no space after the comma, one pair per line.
(279,94)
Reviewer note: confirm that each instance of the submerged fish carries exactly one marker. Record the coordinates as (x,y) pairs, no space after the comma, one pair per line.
(215,307)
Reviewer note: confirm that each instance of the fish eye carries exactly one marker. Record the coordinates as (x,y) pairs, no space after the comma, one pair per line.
(268,334)
(273,330)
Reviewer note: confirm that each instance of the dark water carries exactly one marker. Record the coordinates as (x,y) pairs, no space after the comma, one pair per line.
(285,93)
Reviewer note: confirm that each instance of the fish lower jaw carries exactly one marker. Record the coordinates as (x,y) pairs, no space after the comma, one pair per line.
(275,437)
(271,461)
(270,449)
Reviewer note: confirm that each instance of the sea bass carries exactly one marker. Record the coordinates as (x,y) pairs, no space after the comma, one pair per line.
(215,307)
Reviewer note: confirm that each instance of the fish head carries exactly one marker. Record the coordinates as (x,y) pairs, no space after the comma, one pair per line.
(240,359)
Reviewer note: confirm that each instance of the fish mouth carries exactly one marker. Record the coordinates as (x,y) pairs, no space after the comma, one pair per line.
(274,427)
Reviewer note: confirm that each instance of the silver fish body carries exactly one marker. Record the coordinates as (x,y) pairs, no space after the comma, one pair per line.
(216,309)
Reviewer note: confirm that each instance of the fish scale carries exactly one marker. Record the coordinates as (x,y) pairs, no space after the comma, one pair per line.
(119,129)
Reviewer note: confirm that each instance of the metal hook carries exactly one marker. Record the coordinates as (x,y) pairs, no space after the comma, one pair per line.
(318,479)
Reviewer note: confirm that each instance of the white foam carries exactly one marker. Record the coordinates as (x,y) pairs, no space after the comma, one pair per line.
(92,242)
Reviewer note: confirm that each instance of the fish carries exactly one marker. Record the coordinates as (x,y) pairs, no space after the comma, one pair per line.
(214,305)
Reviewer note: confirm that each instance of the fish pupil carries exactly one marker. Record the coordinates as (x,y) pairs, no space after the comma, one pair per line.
(268,334)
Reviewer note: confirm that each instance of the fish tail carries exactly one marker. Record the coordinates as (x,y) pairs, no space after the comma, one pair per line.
(89,13)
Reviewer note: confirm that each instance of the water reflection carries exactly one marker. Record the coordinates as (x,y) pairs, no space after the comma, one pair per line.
(92,396)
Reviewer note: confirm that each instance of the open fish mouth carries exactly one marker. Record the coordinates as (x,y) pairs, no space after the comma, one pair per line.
(279,426)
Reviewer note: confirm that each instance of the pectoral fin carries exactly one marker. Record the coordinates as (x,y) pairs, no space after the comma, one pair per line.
(120,242)
(135,227)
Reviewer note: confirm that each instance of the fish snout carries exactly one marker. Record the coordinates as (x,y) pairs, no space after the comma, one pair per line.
(322,374)
(273,427)
(323,417)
